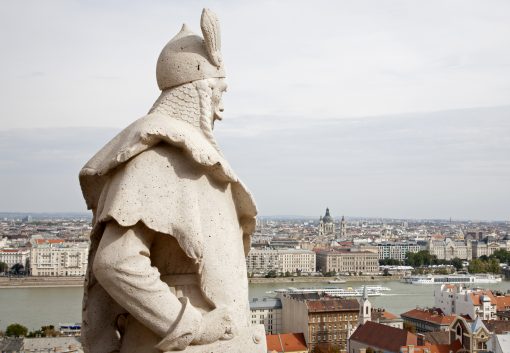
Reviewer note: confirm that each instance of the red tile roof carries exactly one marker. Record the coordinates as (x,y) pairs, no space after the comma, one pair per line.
(435,316)
(286,342)
(383,337)
(476,296)
(383,314)
(49,241)
(325,305)
(502,302)
(434,348)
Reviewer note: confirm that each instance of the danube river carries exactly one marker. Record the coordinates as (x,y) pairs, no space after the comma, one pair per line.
(34,307)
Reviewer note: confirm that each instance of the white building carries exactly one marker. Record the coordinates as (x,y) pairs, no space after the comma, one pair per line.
(280,260)
(457,300)
(267,311)
(499,343)
(397,250)
(345,261)
(449,249)
(14,256)
(55,257)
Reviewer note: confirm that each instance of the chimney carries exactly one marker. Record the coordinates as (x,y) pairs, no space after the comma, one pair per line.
(410,348)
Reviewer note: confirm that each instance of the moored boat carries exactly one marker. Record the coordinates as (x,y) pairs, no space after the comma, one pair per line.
(461,279)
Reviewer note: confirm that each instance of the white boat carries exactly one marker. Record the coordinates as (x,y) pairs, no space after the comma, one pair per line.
(375,288)
(332,291)
(337,280)
(442,279)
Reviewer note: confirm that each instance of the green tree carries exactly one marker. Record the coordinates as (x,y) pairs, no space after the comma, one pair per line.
(287,274)
(16,330)
(17,269)
(493,266)
(476,266)
(502,255)
(457,263)
(421,258)
(3,267)
(271,274)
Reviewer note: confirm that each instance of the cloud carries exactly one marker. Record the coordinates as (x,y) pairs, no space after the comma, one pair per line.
(326,59)
(431,165)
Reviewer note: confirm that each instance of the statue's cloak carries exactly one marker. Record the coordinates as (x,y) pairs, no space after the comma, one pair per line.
(128,207)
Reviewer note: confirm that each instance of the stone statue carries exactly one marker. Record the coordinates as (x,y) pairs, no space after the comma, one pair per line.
(172,222)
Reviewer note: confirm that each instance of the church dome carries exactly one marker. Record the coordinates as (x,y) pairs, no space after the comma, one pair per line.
(327,217)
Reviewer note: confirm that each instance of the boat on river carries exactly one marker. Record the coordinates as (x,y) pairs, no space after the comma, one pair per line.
(454,279)
(332,291)
(337,280)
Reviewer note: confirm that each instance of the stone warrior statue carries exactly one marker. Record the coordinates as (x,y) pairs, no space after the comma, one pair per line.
(172,222)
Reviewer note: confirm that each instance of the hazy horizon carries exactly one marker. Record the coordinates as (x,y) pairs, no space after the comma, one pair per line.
(393,109)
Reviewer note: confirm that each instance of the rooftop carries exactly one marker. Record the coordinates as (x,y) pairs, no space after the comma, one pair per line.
(286,342)
(432,315)
(327,305)
(383,337)
(265,303)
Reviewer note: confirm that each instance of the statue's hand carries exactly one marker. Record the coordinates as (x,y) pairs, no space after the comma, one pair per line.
(216,325)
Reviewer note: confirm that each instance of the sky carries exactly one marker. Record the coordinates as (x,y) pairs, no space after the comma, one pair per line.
(373,108)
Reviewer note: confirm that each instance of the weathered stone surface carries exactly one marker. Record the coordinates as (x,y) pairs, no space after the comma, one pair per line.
(172,222)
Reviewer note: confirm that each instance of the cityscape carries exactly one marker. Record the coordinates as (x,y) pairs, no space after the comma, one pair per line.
(317,285)
(286,176)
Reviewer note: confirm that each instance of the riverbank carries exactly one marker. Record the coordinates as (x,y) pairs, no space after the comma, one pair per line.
(41,282)
(324,279)
(28,282)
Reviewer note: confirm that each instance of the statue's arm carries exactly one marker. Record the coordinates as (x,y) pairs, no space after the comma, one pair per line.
(123,267)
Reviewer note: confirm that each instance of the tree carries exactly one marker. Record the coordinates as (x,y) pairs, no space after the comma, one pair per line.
(493,266)
(476,266)
(421,258)
(502,255)
(17,269)
(45,331)
(16,330)
(457,263)
(271,274)
(287,274)
(3,267)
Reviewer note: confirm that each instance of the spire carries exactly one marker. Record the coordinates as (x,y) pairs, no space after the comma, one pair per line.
(365,294)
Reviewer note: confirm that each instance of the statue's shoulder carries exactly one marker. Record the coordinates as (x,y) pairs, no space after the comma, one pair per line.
(142,135)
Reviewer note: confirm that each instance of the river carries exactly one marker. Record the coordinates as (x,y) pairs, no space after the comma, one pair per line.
(35,307)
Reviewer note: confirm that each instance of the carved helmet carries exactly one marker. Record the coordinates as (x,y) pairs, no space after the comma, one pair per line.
(189,57)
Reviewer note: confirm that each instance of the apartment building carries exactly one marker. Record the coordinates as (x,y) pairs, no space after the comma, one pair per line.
(56,257)
(267,311)
(347,261)
(457,300)
(12,257)
(261,261)
(323,320)
(397,250)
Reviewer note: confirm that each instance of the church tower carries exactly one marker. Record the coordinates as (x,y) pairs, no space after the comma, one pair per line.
(365,308)
(343,227)
(326,224)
